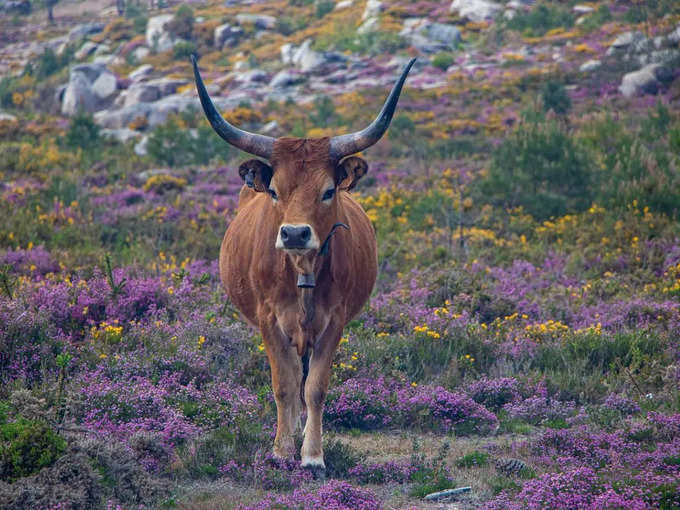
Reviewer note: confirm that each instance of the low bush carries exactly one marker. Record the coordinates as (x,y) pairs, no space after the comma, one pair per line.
(182,25)
(173,145)
(540,19)
(542,169)
(26,447)
(442,60)
(183,50)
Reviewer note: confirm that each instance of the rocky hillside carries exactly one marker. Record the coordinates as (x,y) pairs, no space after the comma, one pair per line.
(132,72)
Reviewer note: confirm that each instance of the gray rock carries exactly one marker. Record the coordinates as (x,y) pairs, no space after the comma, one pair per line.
(287,53)
(582,9)
(157,35)
(447,494)
(674,36)
(167,86)
(227,35)
(80,31)
(476,10)
(141,72)
(141,146)
(421,30)
(59,93)
(118,119)
(140,92)
(7,117)
(306,58)
(271,128)
(86,50)
(161,109)
(102,49)
(122,134)
(252,76)
(78,95)
(343,4)
(140,53)
(104,60)
(285,79)
(373,9)
(261,21)
(90,71)
(666,57)
(369,25)
(589,66)
(645,80)
(627,38)
(105,86)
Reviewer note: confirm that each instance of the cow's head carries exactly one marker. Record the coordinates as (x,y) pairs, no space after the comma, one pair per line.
(302,176)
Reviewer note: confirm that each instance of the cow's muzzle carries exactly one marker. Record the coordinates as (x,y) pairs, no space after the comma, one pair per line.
(296,237)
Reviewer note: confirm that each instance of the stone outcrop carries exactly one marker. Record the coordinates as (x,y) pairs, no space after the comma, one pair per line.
(90,88)
(430,37)
(645,81)
(476,10)
(157,36)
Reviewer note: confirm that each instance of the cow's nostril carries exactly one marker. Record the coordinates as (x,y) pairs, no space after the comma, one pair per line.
(284,233)
(306,234)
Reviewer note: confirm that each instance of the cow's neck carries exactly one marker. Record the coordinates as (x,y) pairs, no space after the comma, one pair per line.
(313,268)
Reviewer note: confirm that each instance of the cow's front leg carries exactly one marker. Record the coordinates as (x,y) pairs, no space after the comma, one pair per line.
(316,388)
(286,380)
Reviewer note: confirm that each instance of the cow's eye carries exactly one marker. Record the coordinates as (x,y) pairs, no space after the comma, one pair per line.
(328,194)
(273,194)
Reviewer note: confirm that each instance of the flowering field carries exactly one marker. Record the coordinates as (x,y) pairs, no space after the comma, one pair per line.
(523,337)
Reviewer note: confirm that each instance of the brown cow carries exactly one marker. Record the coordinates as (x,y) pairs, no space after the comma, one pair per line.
(287,266)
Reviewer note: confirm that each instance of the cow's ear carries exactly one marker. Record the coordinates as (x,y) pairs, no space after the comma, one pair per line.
(349,171)
(256,174)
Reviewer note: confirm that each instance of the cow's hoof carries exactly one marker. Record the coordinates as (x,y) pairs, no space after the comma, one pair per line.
(316,466)
(318,472)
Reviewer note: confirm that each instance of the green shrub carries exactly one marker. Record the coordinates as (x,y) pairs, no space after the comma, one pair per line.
(138,16)
(324,114)
(442,60)
(596,19)
(431,475)
(636,166)
(474,459)
(8,85)
(323,7)
(541,19)
(82,132)
(339,457)
(640,12)
(240,443)
(555,98)
(373,43)
(287,25)
(26,447)
(542,169)
(183,50)
(182,25)
(171,145)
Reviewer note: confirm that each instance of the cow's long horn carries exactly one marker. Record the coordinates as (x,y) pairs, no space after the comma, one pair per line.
(259,145)
(344,145)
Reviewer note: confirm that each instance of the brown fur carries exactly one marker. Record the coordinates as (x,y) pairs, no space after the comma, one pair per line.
(261,280)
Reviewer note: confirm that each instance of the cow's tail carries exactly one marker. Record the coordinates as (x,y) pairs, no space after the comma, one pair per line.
(305,371)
